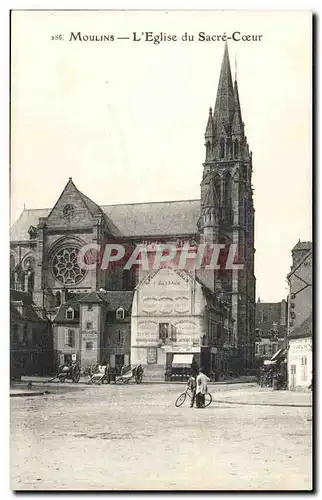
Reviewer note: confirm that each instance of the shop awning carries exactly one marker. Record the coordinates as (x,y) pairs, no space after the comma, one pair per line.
(182,360)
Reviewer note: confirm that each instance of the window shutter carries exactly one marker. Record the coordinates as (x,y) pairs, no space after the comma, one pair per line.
(66,336)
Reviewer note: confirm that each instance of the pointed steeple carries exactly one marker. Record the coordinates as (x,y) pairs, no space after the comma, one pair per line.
(225,101)
(210,126)
(238,126)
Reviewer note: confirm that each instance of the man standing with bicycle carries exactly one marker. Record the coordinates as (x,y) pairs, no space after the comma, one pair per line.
(202,389)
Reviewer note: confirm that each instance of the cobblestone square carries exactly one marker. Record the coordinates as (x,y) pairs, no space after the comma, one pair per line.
(133,438)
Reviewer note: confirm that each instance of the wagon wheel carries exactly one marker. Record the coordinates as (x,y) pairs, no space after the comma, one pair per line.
(138,379)
(208,399)
(76,377)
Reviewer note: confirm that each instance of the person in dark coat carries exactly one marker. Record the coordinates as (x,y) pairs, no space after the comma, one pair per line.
(192,385)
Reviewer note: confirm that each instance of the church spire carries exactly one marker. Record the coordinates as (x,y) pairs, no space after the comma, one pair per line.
(225,101)
(210,126)
(238,126)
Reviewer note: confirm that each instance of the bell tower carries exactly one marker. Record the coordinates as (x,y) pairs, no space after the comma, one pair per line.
(226,211)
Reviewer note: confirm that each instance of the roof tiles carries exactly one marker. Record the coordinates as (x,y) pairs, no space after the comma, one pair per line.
(138,219)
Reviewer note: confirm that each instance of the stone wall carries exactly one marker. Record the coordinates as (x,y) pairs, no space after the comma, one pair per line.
(300,305)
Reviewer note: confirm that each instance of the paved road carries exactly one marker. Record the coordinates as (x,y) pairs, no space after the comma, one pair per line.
(134,438)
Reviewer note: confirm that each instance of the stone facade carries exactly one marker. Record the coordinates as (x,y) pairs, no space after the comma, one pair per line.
(93,328)
(300,285)
(300,362)
(227,211)
(45,245)
(300,368)
(270,328)
(170,316)
(30,337)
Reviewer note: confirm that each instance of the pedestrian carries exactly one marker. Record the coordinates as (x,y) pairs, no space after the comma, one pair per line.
(138,374)
(192,385)
(107,374)
(201,389)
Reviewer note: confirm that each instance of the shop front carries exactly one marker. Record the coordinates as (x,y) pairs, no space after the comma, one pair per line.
(299,364)
(168,320)
(181,365)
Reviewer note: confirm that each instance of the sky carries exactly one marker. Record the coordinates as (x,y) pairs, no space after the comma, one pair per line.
(126,119)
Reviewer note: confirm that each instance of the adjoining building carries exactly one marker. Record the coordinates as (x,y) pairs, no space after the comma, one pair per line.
(31,349)
(45,246)
(94,327)
(176,319)
(299,361)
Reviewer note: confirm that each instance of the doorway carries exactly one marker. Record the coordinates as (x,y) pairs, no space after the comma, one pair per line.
(67,358)
(119,363)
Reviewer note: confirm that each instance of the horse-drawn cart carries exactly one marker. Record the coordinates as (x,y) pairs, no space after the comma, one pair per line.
(129,373)
(100,375)
(68,372)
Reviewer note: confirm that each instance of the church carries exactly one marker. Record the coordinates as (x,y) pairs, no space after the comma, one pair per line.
(156,318)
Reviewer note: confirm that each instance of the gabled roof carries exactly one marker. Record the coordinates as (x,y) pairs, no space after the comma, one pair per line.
(164,218)
(91,205)
(303,245)
(270,312)
(30,217)
(91,298)
(74,303)
(156,218)
(29,309)
(16,295)
(116,299)
(112,299)
(300,262)
(97,210)
(205,288)
(32,315)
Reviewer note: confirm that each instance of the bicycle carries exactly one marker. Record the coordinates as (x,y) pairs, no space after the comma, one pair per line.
(181,399)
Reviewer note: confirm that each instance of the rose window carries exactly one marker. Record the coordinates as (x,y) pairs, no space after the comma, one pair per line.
(66,268)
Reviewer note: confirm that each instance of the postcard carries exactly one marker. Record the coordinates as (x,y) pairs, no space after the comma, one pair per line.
(161,250)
